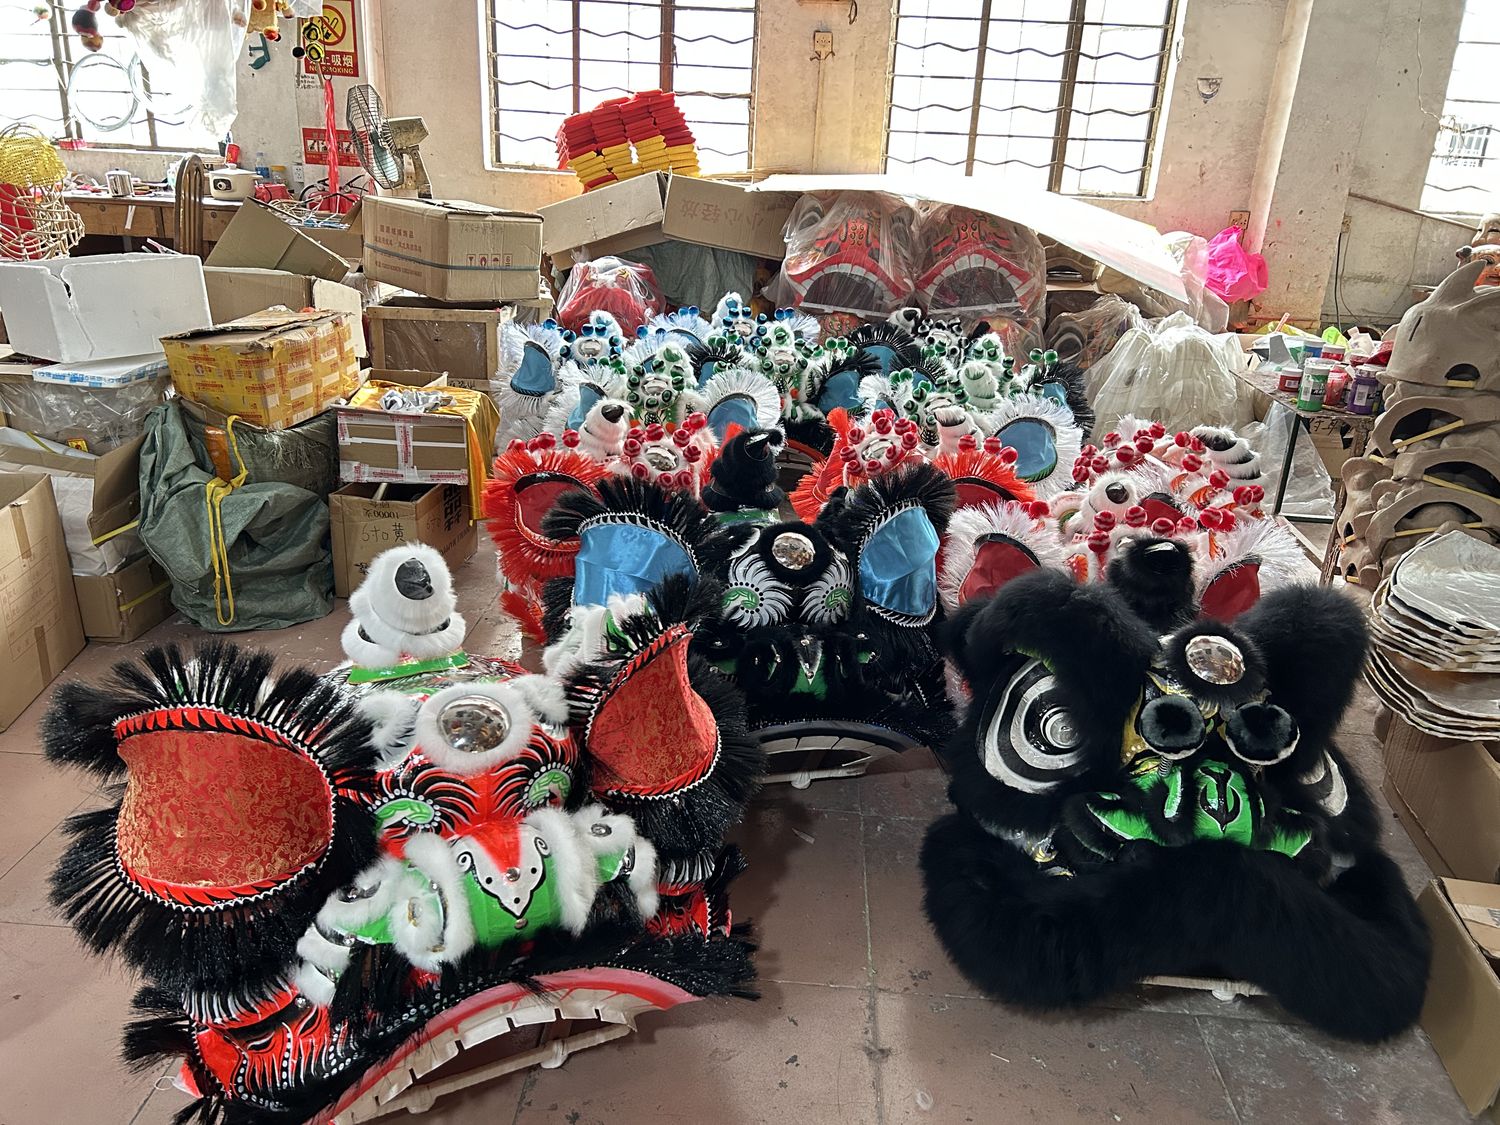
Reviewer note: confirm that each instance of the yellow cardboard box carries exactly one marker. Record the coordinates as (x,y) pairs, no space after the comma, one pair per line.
(274,369)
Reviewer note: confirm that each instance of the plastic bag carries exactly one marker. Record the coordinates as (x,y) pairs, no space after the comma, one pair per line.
(191,49)
(276,569)
(848,252)
(1171,371)
(1088,336)
(975,267)
(1309,490)
(1234,273)
(102,418)
(627,290)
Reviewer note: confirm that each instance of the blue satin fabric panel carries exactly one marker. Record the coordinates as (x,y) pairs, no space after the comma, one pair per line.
(898,567)
(841,390)
(587,396)
(737,410)
(535,375)
(1035,444)
(623,558)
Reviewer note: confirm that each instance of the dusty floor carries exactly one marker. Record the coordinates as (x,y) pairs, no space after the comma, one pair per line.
(861,1018)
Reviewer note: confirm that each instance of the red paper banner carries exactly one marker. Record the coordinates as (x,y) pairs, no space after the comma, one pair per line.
(315,148)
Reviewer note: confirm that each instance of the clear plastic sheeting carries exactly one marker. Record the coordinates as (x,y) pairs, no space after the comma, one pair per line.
(1309,487)
(102,418)
(1173,371)
(191,49)
(1088,336)
(626,290)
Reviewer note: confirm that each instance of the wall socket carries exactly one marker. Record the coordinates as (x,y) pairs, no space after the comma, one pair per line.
(822,45)
(1239,219)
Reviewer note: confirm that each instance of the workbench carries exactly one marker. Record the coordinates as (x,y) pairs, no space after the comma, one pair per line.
(1330,420)
(145,216)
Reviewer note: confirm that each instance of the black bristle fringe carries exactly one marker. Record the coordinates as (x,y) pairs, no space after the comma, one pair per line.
(163,1032)
(236,947)
(1074,382)
(861,508)
(908,353)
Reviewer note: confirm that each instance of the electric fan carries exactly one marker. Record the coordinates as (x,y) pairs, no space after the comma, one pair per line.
(385,144)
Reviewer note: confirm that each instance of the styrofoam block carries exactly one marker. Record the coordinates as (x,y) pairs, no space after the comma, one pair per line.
(101,307)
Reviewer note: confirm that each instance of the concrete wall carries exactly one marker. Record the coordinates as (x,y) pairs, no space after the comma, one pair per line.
(1361,123)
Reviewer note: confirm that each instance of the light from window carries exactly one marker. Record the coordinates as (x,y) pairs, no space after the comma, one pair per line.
(1463,176)
(1057,94)
(50,80)
(552,58)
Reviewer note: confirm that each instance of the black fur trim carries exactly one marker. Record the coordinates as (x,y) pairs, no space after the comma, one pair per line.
(1351,959)
(744,473)
(236,946)
(1155,577)
(1249,685)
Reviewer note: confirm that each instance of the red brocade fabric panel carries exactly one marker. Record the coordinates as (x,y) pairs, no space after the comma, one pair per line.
(220,810)
(655,734)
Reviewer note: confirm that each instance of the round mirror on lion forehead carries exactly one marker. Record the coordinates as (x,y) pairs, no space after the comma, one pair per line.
(474,724)
(1215,660)
(793,550)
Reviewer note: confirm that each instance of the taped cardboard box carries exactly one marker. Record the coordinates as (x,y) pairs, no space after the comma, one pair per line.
(274,369)
(125,605)
(649,209)
(453,250)
(69,310)
(40,631)
(463,339)
(438,515)
(1462,1012)
(1447,795)
(259,238)
(393,447)
(237,291)
(98,498)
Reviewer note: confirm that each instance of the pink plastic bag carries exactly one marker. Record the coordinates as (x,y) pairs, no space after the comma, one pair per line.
(1234,273)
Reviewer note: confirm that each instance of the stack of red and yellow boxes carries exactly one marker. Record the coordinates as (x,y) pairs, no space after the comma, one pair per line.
(598,144)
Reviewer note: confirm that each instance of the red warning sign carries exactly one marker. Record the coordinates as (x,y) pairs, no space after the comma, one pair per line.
(330,41)
(315,148)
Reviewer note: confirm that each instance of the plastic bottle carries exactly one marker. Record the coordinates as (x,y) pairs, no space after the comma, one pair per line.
(262,166)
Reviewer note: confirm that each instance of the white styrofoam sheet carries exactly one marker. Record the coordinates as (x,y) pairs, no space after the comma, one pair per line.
(102,306)
(1134,248)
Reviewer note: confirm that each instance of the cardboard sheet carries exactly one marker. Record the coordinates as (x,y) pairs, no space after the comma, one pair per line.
(1462,1012)
(1133,248)
(259,238)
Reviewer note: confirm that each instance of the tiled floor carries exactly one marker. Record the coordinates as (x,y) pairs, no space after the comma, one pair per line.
(861,1017)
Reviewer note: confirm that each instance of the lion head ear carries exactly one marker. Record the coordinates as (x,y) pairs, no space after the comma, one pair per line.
(1313,641)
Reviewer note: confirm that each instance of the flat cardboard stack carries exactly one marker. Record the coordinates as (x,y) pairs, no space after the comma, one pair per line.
(1462,1013)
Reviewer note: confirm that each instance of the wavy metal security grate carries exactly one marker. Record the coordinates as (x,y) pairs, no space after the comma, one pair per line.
(1065,94)
(552,58)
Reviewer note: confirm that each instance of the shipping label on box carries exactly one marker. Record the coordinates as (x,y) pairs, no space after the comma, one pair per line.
(363,527)
(273,369)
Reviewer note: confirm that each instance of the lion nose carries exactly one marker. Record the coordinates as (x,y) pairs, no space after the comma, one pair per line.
(1172,725)
(613,412)
(1117,493)
(413,581)
(1260,733)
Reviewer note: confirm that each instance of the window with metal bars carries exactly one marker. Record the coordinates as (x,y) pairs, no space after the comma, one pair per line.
(552,58)
(50,80)
(1463,176)
(1058,94)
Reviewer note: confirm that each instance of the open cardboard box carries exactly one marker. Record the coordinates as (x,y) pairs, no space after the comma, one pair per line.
(101,496)
(40,630)
(259,238)
(378,446)
(125,605)
(236,291)
(1462,1012)
(69,310)
(648,209)
(1447,795)
(368,518)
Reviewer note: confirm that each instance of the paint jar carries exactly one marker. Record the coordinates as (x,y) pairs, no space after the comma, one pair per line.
(1314,386)
(1364,389)
(1312,349)
(1338,384)
(1290,379)
(1334,352)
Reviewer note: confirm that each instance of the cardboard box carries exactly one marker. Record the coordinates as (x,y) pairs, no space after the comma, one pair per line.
(274,369)
(236,291)
(414,333)
(1447,794)
(98,500)
(387,447)
(435,514)
(347,240)
(1462,1012)
(40,631)
(649,209)
(70,310)
(259,238)
(125,605)
(452,249)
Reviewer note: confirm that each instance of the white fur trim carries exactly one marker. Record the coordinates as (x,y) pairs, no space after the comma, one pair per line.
(545,697)
(366,653)
(622,835)
(313,985)
(573,864)
(393,715)
(741,382)
(1067,437)
(434,746)
(430,941)
(378,600)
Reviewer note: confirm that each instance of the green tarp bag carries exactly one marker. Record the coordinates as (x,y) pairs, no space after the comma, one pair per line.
(251,553)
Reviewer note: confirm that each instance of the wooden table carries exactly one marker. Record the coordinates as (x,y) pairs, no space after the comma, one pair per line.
(1329,420)
(145,216)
